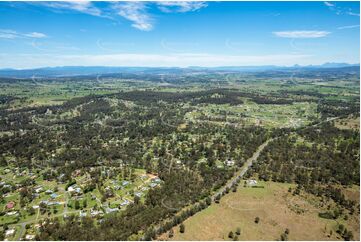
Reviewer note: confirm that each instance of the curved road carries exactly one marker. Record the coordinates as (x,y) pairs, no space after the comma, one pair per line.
(23,224)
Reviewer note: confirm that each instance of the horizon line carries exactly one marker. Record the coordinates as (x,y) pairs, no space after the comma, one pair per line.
(181,67)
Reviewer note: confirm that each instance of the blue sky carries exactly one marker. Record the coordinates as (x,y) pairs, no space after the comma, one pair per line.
(36,34)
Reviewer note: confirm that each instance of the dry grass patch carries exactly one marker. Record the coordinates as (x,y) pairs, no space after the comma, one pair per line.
(348,123)
(277,209)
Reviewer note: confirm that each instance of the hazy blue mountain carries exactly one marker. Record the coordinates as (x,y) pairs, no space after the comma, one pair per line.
(63,71)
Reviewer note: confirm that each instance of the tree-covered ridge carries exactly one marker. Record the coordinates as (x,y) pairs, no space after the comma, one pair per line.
(322,154)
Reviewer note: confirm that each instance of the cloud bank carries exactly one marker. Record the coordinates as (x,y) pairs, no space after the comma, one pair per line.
(298,34)
(12,34)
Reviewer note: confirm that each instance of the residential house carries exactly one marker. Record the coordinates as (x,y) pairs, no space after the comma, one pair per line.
(10,205)
(111,210)
(53,195)
(39,189)
(230,162)
(138,194)
(95,213)
(156,180)
(251,182)
(9,232)
(82,214)
(125,203)
(49,191)
(12,213)
(30,237)
(75,190)
(143,189)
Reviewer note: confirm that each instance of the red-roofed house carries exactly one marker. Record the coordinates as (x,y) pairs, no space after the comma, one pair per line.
(10,205)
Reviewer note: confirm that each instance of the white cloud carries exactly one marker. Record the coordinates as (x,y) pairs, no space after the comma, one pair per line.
(340,10)
(328,4)
(301,34)
(79,6)
(36,35)
(352,13)
(181,6)
(8,34)
(136,13)
(349,27)
(12,34)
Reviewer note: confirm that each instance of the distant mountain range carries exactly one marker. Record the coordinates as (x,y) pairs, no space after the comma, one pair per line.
(65,71)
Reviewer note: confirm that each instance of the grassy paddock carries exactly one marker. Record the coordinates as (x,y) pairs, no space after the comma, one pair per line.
(274,205)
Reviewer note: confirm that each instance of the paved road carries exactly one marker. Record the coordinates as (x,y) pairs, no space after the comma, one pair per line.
(22,230)
(241,172)
(23,224)
(325,121)
(244,168)
(317,124)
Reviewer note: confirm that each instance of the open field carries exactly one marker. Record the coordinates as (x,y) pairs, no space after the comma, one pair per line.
(251,113)
(348,123)
(277,209)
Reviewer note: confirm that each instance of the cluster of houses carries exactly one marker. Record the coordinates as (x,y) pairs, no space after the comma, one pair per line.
(40,189)
(76,191)
(49,203)
(124,203)
(121,186)
(155,181)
